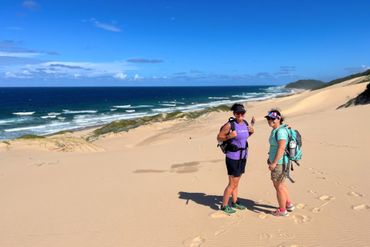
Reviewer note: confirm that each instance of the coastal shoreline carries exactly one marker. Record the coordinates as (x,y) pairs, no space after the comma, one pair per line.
(213,106)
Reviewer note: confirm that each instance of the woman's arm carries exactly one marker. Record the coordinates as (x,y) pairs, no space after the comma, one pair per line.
(225,134)
(279,154)
(250,130)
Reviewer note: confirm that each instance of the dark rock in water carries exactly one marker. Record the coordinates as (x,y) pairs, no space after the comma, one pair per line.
(361,99)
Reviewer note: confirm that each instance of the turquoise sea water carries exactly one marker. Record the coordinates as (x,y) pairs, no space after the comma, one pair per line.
(43,111)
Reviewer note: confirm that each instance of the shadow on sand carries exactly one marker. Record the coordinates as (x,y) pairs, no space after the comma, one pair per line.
(214,202)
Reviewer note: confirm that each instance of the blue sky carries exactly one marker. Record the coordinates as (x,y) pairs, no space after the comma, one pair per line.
(124,43)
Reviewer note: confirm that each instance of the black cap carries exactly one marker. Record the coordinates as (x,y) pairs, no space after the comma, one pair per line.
(238,108)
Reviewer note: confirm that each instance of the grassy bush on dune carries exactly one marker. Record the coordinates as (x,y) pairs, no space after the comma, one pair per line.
(61,132)
(30,137)
(346,78)
(127,124)
(362,99)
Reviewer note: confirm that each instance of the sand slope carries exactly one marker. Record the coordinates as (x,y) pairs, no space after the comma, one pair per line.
(161,184)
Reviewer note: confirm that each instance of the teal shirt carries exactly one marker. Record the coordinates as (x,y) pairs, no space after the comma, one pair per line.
(282,133)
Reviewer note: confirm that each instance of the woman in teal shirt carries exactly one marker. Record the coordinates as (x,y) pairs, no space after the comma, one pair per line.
(277,160)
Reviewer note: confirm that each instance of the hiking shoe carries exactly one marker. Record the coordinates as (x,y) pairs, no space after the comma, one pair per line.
(290,207)
(237,205)
(227,209)
(280,213)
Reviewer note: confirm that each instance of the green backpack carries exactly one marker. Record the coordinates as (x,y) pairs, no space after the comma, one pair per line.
(293,150)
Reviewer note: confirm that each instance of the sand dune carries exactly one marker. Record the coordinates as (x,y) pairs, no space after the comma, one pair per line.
(161,184)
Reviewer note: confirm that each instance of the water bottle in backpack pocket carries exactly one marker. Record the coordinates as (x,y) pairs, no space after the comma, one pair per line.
(294,147)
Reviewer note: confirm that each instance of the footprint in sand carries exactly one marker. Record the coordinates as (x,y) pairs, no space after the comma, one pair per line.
(316,210)
(219,214)
(264,236)
(353,193)
(197,241)
(327,200)
(301,219)
(219,232)
(361,207)
(300,206)
(287,245)
(286,235)
(262,216)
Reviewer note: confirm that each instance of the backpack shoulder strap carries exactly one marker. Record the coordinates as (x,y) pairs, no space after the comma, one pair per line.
(286,129)
(232,123)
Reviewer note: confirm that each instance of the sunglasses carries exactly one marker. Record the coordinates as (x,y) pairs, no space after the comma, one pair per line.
(239,113)
(270,119)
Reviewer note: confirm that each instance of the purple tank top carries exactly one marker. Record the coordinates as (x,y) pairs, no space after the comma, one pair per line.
(240,140)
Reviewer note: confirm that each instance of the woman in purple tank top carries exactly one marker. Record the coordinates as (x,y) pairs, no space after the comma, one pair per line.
(237,132)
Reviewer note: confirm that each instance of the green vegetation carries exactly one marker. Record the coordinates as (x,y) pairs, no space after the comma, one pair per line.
(31,137)
(61,132)
(305,84)
(6,142)
(362,99)
(339,80)
(366,79)
(127,124)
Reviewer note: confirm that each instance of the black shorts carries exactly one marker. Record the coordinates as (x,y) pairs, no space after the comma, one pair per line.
(235,168)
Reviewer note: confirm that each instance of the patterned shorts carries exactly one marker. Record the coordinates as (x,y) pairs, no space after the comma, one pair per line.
(278,175)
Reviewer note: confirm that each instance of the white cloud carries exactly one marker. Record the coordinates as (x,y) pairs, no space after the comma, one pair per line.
(105,26)
(29,4)
(137,77)
(120,76)
(26,72)
(9,74)
(60,69)
(19,54)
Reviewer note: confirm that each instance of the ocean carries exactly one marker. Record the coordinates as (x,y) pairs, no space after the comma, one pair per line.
(43,111)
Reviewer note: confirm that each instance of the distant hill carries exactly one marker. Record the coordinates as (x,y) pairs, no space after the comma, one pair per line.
(305,84)
(339,80)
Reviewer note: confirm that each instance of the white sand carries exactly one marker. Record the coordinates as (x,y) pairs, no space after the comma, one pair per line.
(161,184)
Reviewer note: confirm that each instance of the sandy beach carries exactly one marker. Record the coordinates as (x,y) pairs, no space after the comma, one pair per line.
(161,184)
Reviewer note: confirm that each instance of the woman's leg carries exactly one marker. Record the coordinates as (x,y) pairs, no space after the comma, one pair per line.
(280,194)
(235,191)
(229,190)
(286,194)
